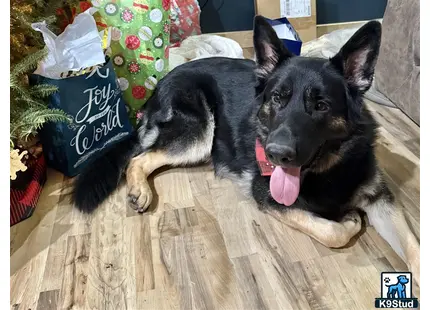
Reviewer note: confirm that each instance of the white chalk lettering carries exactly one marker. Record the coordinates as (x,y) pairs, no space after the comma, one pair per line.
(96,96)
(88,133)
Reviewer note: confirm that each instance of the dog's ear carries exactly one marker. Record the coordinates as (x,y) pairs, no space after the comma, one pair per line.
(269,50)
(356,60)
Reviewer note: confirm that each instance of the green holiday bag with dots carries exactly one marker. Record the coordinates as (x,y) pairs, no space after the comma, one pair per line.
(140,33)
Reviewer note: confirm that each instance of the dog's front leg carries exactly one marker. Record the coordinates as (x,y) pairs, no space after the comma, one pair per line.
(140,167)
(330,233)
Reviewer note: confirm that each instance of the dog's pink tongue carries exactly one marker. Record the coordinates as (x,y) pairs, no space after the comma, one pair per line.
(285,185)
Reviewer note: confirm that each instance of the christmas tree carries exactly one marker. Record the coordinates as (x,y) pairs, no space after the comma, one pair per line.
(28,108)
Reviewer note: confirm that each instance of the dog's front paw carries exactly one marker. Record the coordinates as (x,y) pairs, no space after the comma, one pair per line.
(140,197)
(352,223)
(339,235)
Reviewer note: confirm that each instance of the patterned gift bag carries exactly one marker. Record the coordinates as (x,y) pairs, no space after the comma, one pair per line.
(139,46)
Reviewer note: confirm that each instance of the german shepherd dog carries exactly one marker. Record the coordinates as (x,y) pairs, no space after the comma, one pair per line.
(308,115)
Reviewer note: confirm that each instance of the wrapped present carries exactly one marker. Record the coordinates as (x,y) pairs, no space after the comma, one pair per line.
(185,20)
(139,46)
(26,188)
(66,15)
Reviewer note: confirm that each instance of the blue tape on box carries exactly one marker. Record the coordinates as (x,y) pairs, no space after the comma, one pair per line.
(292,40)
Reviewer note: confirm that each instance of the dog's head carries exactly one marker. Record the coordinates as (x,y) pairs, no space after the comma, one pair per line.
(402,279)
(306,102)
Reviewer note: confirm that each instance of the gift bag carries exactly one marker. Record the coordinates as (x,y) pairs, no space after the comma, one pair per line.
(185,20)
(98,118)
(87,91)
(287,34)
(139,46)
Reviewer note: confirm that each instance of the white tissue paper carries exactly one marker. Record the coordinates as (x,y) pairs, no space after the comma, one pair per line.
(79,46)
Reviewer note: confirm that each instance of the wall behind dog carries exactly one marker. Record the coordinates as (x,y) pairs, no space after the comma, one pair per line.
(226,15)
(237,15)
(342,11)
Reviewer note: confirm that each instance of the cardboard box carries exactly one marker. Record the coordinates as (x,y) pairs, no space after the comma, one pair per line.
(305,26)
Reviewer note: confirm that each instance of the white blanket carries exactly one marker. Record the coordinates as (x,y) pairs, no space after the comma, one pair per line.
(203,46)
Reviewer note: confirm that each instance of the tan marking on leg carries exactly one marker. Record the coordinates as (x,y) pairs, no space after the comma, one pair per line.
(330,233)
(196,150)
(140,167)
(138,171)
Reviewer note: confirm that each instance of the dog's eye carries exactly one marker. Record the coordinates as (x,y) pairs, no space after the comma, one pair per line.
(276,98)
(321,106)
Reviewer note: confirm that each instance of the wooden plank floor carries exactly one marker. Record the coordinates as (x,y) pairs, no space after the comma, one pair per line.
(203,246)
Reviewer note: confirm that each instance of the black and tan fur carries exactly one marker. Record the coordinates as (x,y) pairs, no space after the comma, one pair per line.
(216,108)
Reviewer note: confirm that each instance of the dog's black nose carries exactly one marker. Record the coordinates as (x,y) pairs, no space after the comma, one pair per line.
(280,154)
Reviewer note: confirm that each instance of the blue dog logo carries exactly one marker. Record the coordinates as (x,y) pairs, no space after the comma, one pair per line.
(398,290)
